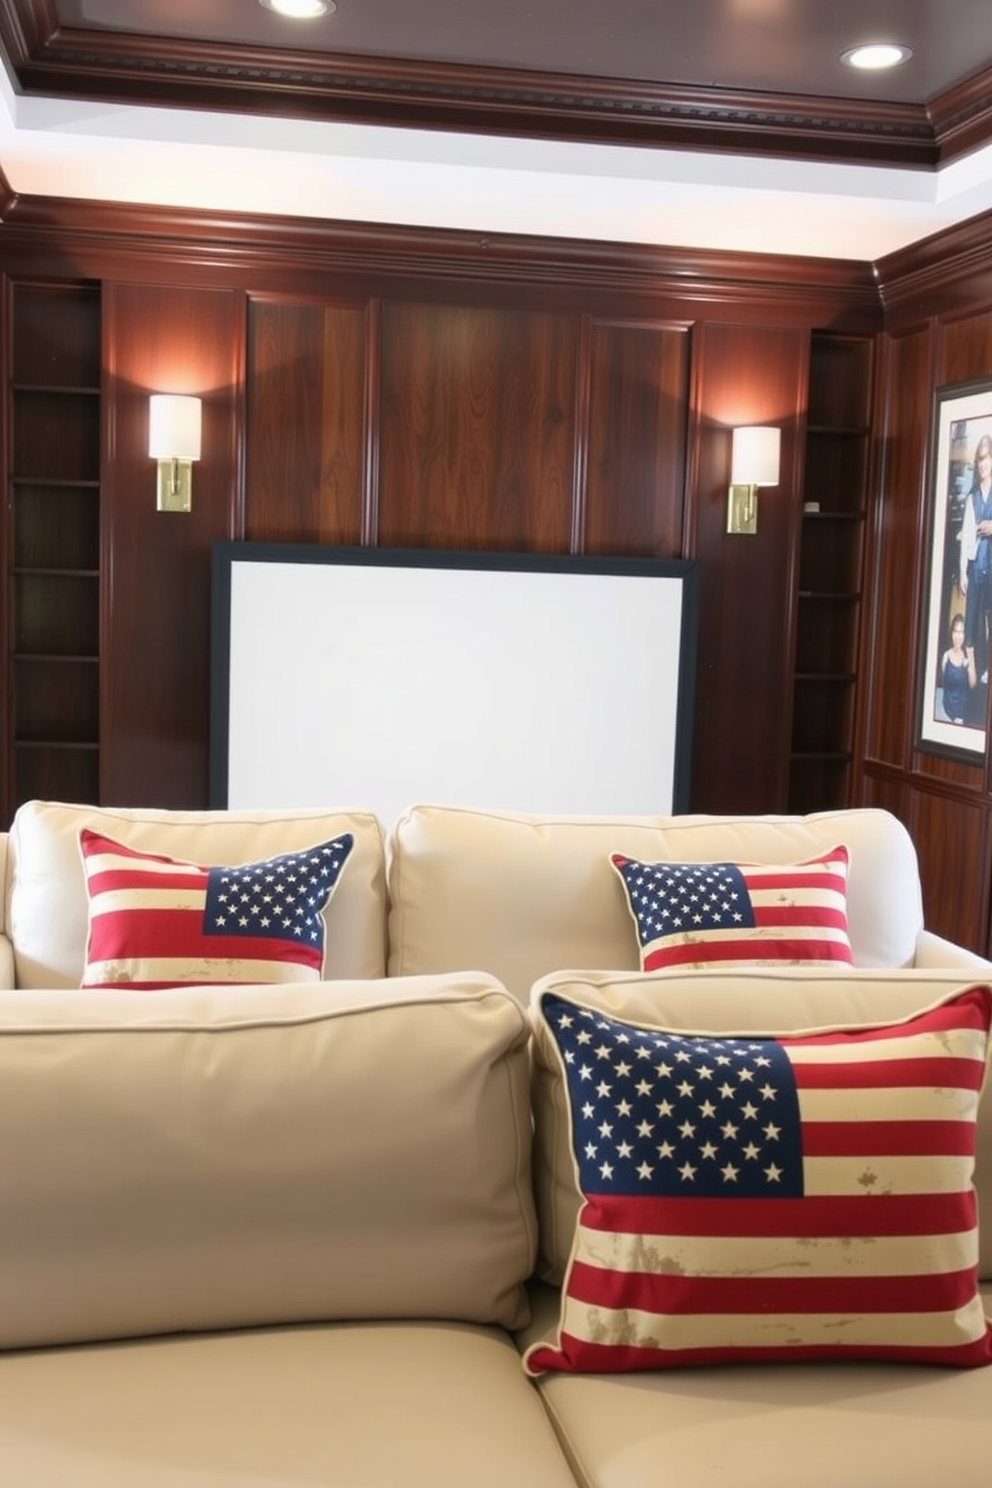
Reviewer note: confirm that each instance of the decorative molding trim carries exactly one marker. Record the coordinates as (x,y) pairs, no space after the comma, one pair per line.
(114,67)
(950,272)
(104,239)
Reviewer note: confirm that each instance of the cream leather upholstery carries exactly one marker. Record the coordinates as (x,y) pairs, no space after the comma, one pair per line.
(46,890)
(281,1235)
(522,895)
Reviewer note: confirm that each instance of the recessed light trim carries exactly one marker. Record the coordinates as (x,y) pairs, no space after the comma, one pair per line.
(300,10)
(876,56)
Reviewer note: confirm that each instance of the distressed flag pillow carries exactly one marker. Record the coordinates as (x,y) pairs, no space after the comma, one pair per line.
(156,921)
(694,915)
(769,1198)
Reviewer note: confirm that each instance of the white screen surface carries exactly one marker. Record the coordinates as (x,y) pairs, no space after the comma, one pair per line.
(377,684)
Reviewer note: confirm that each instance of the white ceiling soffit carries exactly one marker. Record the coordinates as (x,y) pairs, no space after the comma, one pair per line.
(241,164)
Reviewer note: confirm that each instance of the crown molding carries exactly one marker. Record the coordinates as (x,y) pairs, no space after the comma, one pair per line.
(110,239)
(122,68)
(949,273)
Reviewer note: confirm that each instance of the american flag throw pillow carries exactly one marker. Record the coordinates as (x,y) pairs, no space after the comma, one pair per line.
(769,1198)
(697,915)
(156,921)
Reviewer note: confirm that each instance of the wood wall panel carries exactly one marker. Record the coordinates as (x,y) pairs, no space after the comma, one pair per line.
(890,637)
(943,802)
(156,611)
(635,456)
(478,428)
(305,422)
(952,838)
(745,375)
(966,349)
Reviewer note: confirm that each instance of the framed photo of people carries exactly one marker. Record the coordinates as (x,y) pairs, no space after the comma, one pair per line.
(956,645)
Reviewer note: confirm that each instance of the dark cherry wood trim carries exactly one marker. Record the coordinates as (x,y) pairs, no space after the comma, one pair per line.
(927,785)
(962,117)
(102,239)
(123,68)
(8,196)
(951,270)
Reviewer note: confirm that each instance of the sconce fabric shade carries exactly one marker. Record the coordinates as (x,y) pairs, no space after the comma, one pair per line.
(754,462)
(755,456)
(174,426)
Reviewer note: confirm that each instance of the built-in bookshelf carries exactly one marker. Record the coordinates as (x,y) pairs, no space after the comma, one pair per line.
(830,571)
(53,542)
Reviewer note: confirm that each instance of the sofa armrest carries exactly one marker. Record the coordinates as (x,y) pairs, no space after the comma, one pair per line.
(6,964)
(934,952)
(6,945)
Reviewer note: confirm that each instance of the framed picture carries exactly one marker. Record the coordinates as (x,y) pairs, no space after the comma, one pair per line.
(952,700)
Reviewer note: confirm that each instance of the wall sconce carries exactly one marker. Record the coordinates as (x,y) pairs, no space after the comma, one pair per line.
(174,425)
(754,462)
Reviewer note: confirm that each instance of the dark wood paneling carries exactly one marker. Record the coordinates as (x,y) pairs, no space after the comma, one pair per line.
(946,275)
(966,348)
(889,641)
(303,258)
(953,842)
(745,375)
(305,422)
(477,439)
(635,463)
(157,592)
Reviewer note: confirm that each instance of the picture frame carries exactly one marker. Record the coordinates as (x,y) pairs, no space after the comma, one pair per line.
(955,649)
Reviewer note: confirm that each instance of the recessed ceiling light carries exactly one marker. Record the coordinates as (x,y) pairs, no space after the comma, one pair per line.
(877,55)
(300,10)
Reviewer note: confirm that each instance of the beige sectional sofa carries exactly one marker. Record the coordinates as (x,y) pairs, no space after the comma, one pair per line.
(304,1234)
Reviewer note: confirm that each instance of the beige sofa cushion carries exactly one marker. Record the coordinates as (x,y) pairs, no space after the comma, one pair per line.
(521,896)
(47,912)
(821,1426)
(744,1001)
(214,1157)
(341,1405)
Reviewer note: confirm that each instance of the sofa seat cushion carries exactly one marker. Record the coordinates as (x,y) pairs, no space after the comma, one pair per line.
(753,1001)
(214,1157)
(350,1405)
(522,895)
(771,1426)
(48,909)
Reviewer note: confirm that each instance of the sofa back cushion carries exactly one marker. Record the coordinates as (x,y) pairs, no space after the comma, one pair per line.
(47,912)
(204,1158)
(522,895)
(748,1002)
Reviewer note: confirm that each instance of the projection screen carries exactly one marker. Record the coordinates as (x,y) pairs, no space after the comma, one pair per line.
(378,678)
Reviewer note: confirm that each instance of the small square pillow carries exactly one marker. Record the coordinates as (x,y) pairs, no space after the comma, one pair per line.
(694,915)
(156,921)
(769,1198)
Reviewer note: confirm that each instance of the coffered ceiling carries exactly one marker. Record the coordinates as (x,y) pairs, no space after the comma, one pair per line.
(710,123)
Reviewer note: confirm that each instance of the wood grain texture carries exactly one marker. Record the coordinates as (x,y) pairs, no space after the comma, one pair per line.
(477,437)
(744,375)
(305,409)
(895,560)
(156,612)
(635,466)
(953,842)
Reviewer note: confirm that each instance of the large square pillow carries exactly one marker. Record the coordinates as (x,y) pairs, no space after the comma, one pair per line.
(764,1197)
(156,921)
(694,915)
